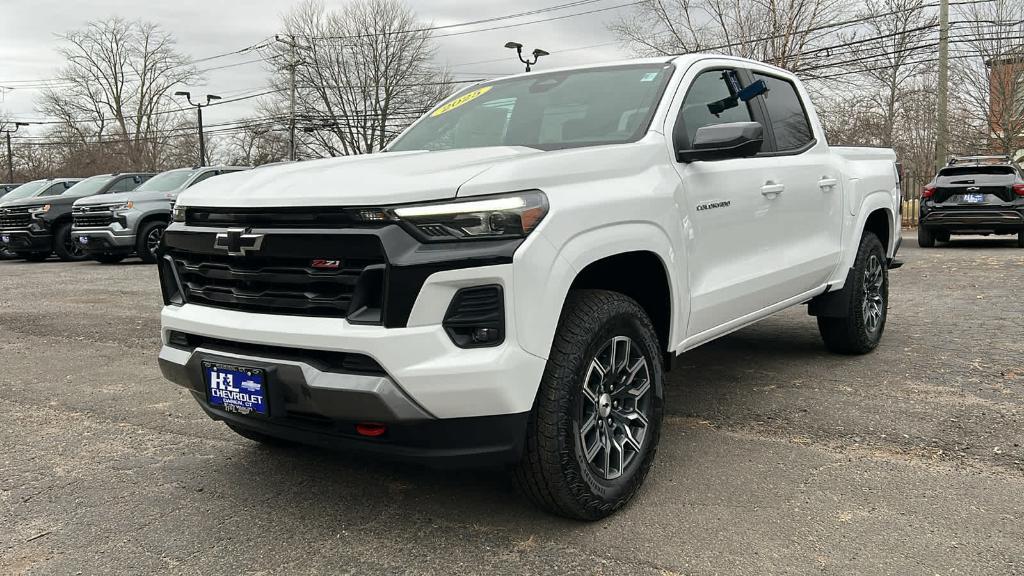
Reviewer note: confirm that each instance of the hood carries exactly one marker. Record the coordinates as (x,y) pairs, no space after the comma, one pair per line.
(368,180)
(60,200)
(124,197)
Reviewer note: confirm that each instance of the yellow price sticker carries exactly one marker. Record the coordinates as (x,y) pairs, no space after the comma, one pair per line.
(464,99)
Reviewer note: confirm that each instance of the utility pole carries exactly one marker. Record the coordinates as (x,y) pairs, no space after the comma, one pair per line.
(199,110)
(942,108)
(292,65)
(10,155)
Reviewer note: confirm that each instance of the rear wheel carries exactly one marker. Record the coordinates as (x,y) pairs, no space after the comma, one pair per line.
(108,258)
(595,425)
(148,241)
(65,246)
(925,239)
(861,329)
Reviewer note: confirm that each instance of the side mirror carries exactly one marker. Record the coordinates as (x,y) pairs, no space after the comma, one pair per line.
(723,141)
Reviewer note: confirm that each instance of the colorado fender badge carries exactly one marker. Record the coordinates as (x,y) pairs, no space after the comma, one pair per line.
(712,205)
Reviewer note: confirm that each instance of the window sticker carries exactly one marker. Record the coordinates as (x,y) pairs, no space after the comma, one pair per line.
(464,99)
(649,77)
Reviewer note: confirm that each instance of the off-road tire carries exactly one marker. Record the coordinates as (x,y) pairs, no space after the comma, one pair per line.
(853,333)
(61,241)
(554,472)
(925,239)
(108,258)
(142,241)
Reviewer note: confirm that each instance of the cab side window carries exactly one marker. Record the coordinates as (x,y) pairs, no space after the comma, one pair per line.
(126,184)
(204,176)
(54,190)
(710,87)
(788,118)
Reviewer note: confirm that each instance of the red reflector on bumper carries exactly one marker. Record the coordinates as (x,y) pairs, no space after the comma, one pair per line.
(371,429)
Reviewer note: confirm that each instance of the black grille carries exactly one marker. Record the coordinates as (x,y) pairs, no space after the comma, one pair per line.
(97,220)
(270,285)
(311,218)
(15,218)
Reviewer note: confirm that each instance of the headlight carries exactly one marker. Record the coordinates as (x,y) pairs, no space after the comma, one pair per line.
(125,206)
(177,213)
(488,217)
(39,210)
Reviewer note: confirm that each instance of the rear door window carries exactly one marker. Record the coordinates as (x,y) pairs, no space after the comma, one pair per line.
(126,184)
(786,112)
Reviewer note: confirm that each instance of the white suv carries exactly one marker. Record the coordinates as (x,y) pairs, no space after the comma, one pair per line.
(509,281)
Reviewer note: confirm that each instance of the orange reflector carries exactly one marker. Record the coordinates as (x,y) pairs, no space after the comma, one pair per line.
(371,429)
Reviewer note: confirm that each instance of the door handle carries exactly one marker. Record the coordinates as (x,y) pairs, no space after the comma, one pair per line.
(772,189)
(827,183)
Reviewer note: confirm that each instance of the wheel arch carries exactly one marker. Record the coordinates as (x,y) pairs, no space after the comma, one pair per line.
(164,217)
(608,258)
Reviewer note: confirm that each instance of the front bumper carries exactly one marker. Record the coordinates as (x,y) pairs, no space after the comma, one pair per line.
(26,241)
(312,403)
(105,240)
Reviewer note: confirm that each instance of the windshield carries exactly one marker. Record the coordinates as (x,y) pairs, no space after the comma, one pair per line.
(25,190)
(546,111)
(89,186)
(166,181)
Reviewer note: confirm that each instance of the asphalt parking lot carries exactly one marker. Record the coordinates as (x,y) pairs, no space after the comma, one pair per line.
(776,457)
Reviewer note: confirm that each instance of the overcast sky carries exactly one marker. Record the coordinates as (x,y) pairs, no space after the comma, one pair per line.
(207,27)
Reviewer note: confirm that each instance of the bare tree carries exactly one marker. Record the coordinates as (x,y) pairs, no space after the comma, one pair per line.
(115,88)
(363,73)
(886,54)
(256,143)
(779,32)
(989,71)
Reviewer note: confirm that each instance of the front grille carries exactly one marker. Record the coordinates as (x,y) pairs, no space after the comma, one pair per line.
(310,218)
(14,218)
(270,284)
(93,220)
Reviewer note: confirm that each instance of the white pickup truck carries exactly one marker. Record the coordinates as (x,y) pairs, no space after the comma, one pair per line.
(510,280)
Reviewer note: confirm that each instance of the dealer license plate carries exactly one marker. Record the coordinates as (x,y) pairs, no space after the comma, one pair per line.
(236,388)
(974,198)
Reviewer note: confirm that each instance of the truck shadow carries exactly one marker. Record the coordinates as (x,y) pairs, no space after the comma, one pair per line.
(982,242)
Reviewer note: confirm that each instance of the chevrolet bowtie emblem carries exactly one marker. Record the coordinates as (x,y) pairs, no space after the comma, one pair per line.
(237,242)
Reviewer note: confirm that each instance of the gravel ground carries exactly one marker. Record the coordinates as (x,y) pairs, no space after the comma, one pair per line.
(776,456)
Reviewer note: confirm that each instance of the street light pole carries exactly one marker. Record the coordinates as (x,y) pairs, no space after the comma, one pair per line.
(199,112)
(10,155)
(537,54)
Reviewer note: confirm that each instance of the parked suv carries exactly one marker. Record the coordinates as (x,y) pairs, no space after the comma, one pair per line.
(511,280)
(15,220)
(973,195)
(111,227)
(37,227)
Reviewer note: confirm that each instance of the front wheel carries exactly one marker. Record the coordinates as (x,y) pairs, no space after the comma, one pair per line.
(860,330)
(148,242)
(595,425)
(65,246)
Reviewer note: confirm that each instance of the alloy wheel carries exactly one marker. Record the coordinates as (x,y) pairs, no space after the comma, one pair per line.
(615,407)
(874,303)
(153,240)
